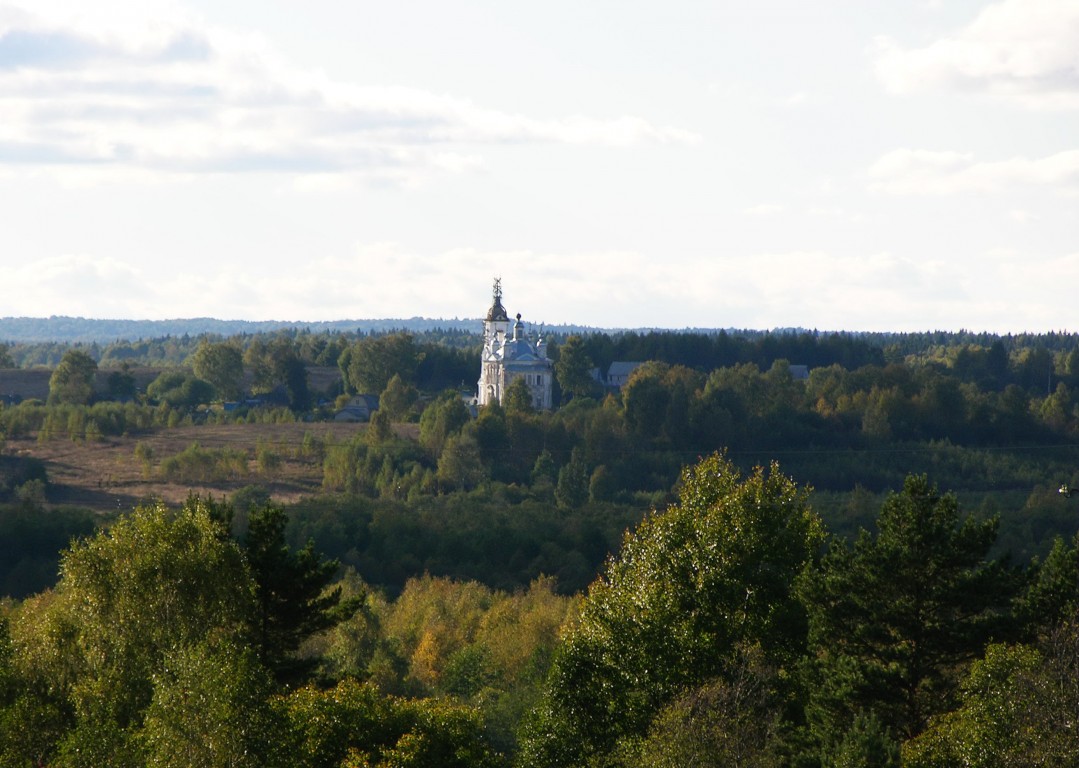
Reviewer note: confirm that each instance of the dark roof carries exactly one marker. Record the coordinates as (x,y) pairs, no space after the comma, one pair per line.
(497,312)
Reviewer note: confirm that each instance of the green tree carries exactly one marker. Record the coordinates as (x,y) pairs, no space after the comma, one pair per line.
(1053,594)
(212,707)
(354,725)
(375,360)
(121,384)
(572,489)
(459,464)
(645,398)
(154,582)
(6,360)
(574,368)
(441,419)
(692,585)
(292,599)
(725,722)
(1018,709)
(379,428)
(277,364)
(179,390)
(72,381)
(895,618)
(398,399)
(517,398)
(222,365)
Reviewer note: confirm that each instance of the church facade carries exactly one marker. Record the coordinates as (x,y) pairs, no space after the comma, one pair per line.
(509,353)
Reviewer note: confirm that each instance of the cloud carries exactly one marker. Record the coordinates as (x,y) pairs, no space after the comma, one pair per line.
(1025,51)
(80,284)
(921,172)
(870,291)
(175,96)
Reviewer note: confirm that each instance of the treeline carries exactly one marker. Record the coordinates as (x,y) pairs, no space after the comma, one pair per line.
(81,330)
(316,344)
(724,635)
(167,642)
(963,417)
(730,630)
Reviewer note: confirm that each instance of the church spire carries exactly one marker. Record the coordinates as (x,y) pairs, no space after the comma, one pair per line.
(497,313)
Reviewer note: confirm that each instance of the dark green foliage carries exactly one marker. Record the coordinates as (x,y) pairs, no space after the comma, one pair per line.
(1018,709)
(222,366)
(868,744)
(398,400)
(374,361)
(291,594)
(494,538)
(517,399)
(121,384)
(443,366)
(146,655)
(574,369)
(30,545)
(442,419)
(179,390)
(572,489)
(730,721)
(72,381)
(276,365)
(1053,595)
(896,617)
(459,465)
(19,470)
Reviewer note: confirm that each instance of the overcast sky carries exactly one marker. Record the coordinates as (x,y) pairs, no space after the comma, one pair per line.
(839,164)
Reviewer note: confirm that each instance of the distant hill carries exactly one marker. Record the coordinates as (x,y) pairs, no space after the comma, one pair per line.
(71,330)
(85,330)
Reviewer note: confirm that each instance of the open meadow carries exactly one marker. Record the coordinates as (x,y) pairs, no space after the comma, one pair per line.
(120,472)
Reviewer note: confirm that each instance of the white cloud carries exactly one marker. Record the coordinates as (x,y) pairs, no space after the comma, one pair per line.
(1023,50)
(72,284)
(172,95)
(880,290)
(921,172)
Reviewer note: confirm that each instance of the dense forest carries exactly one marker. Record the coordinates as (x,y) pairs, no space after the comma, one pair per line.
(723,562)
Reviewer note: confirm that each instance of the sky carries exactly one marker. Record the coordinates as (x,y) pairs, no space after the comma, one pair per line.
(858,165)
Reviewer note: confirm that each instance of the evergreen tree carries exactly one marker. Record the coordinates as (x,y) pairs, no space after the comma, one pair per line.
(574,368)
(291,597)
(896,618)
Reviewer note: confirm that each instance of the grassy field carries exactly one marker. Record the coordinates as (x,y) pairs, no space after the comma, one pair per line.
(107,474)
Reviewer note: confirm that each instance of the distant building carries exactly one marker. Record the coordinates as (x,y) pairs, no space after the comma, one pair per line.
(510,354)
(358,408)
(619,372)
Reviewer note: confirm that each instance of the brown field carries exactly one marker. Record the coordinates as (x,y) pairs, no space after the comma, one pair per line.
(105,475)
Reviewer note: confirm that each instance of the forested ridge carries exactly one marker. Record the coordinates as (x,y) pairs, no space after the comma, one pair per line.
(630,579)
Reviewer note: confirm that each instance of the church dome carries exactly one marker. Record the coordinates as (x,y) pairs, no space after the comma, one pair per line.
(497,312)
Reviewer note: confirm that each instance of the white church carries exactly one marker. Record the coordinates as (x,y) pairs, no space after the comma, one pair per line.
(510,354)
